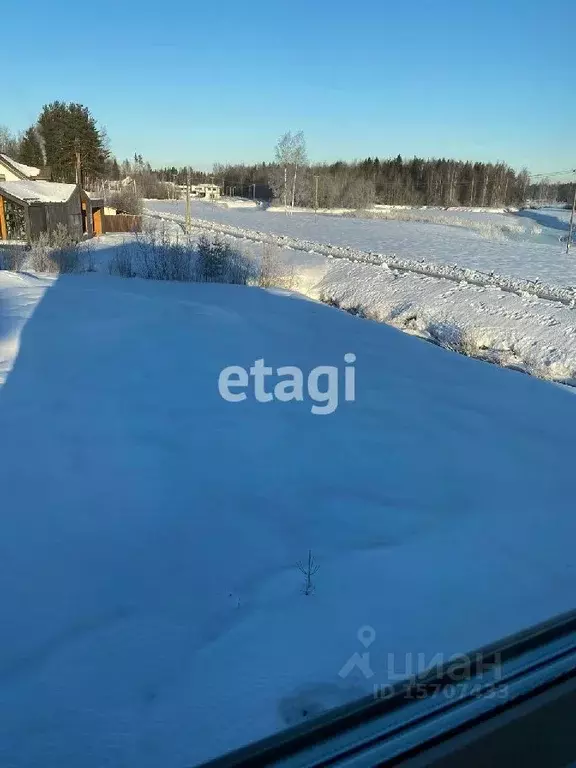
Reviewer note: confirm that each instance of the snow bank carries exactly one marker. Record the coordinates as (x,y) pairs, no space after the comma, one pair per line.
(535,336)
(152,610)
(500,227)
(236,202)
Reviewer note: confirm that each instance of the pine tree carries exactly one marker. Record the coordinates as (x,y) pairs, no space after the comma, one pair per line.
(31,149)
(67,129)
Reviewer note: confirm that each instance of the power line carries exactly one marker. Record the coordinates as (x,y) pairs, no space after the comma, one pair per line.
(552,173)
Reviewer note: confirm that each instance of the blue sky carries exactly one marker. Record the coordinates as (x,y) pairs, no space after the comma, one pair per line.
(220,80)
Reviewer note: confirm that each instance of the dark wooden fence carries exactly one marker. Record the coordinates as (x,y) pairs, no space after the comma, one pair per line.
(122,222)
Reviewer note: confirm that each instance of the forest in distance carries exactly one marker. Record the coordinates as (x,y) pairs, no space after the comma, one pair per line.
(290,178)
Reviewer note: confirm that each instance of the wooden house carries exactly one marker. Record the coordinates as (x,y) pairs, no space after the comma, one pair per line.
(28,208)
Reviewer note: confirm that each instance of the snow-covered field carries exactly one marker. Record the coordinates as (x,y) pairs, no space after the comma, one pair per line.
(152,607)
(520,245)
(495,317)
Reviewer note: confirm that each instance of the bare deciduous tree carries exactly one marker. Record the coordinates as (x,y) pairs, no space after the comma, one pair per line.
(9,142)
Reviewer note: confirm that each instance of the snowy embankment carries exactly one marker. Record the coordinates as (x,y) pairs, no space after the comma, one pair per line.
(152,609)
(512,322)
(521,286)
(526,333)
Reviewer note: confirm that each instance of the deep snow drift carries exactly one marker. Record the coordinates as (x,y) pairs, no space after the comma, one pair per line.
(152,608)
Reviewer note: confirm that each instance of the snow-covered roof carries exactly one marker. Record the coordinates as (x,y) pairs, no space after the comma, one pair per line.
(38,191)
(27,170)
(93,196)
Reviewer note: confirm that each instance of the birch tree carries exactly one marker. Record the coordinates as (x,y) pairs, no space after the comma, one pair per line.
(291,156)
(299,159)
(283,156)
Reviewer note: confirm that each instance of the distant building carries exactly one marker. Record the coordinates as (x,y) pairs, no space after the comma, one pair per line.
(206,191)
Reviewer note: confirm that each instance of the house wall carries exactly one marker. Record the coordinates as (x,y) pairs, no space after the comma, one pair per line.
(46,217)
(36,220)
(74,210)
(209,191)
(67,214)
(97,221)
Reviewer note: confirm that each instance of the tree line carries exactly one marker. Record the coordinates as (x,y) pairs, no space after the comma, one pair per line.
(293,181)
(64,129)
(546,191)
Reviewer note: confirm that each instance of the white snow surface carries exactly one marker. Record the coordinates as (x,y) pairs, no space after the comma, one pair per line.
(523,245)
(515,322)
(152,610)
(518,331)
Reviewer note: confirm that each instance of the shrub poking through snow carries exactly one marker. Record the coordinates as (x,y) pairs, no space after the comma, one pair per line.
(157,257)
(56,252)
(120,265)
(308,569)
(154,255)
(274,272)
(219,262)
(12,257)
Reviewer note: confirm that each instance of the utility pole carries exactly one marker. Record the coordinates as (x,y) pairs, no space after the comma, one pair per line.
(78,170)
(83,207)
(571,227)
(188,199)
(316,193)
(285,190)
